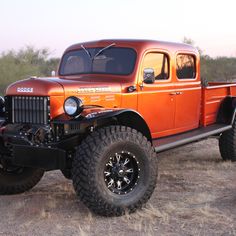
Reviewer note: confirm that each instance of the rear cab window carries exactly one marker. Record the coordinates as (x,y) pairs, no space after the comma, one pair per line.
(185,66)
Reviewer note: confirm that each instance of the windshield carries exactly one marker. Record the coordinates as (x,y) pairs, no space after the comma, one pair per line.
(113,60)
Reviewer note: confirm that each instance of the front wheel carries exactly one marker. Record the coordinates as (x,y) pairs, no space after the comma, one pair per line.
(114,170)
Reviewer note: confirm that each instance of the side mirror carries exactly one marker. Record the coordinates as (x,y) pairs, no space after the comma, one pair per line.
(53,73)
(148,76)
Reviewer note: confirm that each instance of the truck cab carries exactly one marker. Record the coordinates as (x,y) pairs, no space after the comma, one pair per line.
(175,94)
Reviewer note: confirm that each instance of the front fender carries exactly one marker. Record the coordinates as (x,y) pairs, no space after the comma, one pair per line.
(96,117)
(89,115)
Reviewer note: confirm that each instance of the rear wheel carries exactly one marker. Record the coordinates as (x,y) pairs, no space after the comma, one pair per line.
(14,179)
(114,170)
(227,144)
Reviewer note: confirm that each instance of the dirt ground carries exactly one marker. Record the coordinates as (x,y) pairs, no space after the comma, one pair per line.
(195,195)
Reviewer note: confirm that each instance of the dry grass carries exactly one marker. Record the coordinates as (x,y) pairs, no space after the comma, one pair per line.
(145,220)
(195,195)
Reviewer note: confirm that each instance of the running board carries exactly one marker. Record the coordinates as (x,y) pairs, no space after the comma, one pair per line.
(163,144)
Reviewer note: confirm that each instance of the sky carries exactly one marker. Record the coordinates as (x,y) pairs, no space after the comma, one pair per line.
(56,24)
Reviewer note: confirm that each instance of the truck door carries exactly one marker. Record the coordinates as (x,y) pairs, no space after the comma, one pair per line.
(156,101)
(188,92)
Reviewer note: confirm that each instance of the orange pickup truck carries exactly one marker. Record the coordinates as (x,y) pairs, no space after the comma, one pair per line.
(112,107)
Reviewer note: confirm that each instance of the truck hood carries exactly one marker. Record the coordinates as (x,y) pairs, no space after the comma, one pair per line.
(54,86)
(35,87)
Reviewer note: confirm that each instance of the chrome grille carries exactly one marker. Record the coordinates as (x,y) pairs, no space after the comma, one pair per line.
(30,109)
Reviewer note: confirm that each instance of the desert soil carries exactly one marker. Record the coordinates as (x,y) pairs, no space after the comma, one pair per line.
(195,195)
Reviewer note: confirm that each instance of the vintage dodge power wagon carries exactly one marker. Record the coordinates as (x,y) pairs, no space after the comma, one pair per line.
(112,107)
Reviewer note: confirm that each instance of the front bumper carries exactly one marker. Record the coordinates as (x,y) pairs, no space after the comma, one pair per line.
(39,157)
(17,149)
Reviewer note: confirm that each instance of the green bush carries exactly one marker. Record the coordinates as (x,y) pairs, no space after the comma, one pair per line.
(215,69)
(218,69)
(23,64)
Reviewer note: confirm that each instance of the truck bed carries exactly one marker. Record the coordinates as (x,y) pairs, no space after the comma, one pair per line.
(212,97)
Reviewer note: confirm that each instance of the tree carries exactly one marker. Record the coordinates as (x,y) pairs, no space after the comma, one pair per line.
(215,69)
(191,42)
(17,65)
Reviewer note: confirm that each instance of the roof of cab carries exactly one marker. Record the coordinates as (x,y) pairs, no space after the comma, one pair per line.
(138,44)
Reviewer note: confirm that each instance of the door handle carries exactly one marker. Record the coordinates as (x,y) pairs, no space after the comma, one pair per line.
(176,93)
(173,93)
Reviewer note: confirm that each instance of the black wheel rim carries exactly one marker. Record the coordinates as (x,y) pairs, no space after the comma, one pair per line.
(122,172)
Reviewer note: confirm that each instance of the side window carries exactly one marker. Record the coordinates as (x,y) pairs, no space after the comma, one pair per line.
(185,66)
(159,62)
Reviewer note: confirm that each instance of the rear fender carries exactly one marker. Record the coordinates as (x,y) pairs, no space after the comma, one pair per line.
(227,111)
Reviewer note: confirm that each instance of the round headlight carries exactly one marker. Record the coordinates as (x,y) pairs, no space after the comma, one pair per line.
(73,106)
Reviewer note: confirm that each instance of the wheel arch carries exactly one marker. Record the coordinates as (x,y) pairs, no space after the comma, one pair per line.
(134,120)
(100,117)
(227,110)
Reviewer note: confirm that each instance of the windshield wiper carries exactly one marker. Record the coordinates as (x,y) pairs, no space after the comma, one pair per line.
(103,49)
(87,52)
(98,53)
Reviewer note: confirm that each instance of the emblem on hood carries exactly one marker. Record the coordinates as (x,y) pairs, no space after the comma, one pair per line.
(25,90)
(93,89)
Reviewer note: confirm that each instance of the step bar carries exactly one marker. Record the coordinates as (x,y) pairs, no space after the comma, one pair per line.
(163,144)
